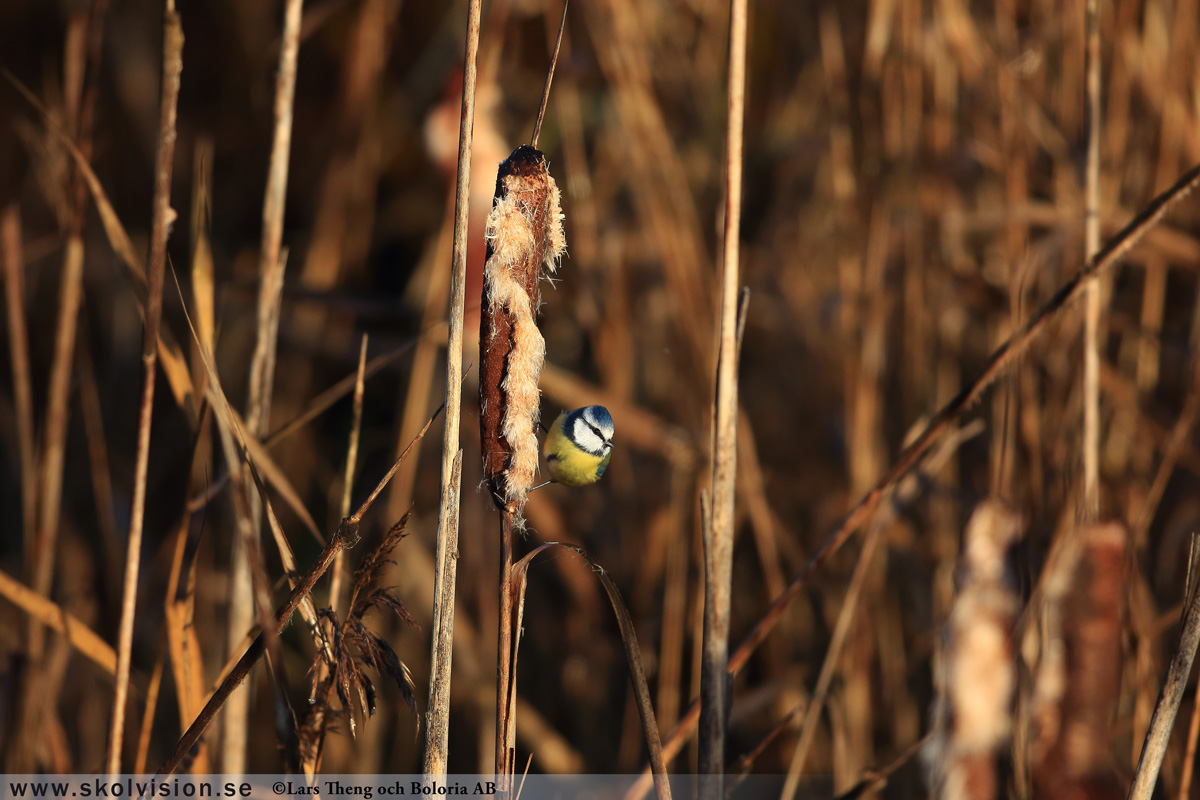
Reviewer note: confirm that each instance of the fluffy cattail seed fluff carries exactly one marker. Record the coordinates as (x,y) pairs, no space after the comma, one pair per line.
(524,236)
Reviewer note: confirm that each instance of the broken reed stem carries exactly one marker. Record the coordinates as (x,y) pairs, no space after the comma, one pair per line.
(163,217)
(437,716)
(941,424)
(346,535)
(1169,699)
(718,556)
(1092,335)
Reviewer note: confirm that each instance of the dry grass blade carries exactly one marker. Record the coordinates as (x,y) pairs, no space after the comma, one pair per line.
(53,616)
(633,656)
(163,218)
(437,727)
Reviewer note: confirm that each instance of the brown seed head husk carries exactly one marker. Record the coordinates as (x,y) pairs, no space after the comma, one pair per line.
(524,236)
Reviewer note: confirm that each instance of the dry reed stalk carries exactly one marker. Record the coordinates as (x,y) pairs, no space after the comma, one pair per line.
(271,265)
(164,216)
(437,718)
(1171,695)
(83,59)
(55,428)
(1080,673)
(1093,340)
(18,345)
(718,550)
(976,676)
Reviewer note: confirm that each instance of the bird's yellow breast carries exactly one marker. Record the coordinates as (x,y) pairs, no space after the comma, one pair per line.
(567,463)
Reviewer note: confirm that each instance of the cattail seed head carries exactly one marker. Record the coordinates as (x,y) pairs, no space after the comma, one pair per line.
(975,672)
(524,237)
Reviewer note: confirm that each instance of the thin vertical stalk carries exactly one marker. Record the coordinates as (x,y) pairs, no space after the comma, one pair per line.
(438,714)
(18,343)
(70,296)
(504,655)
(270,270)
(718,555)
(1095,290)
(160,229)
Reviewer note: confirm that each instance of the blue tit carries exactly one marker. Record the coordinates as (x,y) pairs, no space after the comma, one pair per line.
(579,446)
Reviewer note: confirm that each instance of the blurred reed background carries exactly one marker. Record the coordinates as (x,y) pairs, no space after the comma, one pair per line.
(914,188)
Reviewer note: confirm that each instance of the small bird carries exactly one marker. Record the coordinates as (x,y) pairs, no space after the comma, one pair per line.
(579,446)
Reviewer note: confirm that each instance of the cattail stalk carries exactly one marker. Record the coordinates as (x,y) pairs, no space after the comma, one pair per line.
(524,236)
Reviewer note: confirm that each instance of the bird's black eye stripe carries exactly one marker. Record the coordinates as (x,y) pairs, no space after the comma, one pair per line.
(595,430)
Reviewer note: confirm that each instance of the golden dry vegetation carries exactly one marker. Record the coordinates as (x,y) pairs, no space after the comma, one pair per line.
(914,190)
